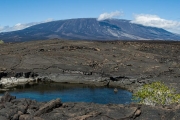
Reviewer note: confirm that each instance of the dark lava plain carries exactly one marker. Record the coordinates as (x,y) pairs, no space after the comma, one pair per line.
(126,61)
(125,64)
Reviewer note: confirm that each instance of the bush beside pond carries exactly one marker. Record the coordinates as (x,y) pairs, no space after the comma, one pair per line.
(1,41)
(156,93)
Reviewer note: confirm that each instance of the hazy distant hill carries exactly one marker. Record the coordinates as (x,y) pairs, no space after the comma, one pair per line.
(89,29)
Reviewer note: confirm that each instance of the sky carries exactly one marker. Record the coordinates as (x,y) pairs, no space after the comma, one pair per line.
(19,14)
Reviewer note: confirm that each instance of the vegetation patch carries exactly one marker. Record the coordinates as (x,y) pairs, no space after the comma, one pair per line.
(156,93)
(1,41)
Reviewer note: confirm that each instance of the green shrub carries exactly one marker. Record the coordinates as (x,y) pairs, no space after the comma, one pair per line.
(1,41)
(156,93)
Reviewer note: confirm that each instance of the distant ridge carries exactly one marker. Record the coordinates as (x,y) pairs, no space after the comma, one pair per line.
(89,29)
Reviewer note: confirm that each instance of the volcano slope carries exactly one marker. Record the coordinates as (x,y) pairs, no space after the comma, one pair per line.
(126,64)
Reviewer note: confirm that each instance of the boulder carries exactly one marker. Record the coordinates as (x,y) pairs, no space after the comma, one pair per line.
(16,116)
(25,117)
(7,98)
(48,107)
(3,118)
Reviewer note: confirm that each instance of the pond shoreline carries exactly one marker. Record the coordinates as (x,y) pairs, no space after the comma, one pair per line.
(127,83)
(26,109)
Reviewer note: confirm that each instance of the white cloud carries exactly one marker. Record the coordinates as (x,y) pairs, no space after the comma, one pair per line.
(156,21)
(111,15)
(49,20)
(20,26)
(1,28)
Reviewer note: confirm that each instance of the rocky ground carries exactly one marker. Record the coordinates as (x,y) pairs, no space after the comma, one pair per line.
(122,64)
(26,109)
(118,63)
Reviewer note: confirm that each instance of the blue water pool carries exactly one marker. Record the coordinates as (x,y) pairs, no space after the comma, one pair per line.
(73,93)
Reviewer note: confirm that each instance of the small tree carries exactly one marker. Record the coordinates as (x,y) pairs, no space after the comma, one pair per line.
(156,93)
(1,41)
